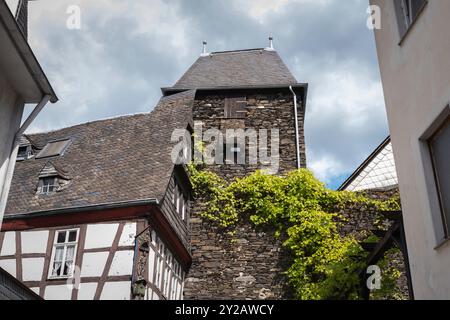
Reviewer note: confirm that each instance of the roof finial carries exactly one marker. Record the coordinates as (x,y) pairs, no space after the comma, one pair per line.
(270,47)
(204,53)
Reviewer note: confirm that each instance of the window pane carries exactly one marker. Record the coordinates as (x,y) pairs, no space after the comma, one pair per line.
(56,269)
(67,268)
(70,254)
(72,236)
(61,237)
(440,148)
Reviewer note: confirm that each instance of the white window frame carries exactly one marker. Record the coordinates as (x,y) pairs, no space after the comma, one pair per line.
(180,200)
(45,189)
(66,243)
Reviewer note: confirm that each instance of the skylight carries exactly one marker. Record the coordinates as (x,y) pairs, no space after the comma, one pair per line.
(53,149)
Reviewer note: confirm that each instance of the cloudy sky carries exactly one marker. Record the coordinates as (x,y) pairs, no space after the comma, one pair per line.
(126,50)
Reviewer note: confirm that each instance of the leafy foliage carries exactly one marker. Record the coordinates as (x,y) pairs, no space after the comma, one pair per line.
(301,210)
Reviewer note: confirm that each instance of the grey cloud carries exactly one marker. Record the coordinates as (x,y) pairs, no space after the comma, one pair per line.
(111,67)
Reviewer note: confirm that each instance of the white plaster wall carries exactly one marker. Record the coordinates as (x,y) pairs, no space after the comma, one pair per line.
(122,263)
(35,290)
(87,291)
(128,235)
(93,264)
(100,235)
(416,83)
(59,292)
(32,269)
(9,266)
(116,291)
(9,244)
(11,109)
(34,241)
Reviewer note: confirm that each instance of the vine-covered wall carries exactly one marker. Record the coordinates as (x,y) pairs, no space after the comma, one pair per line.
(251,262)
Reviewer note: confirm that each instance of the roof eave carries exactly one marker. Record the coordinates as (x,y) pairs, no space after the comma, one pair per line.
(25,52)
(171,90)
(299,88)
(95,207)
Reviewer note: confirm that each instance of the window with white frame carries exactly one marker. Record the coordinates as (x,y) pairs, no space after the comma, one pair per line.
(64,252)
(407,12)
(180,200)
(48,185)
(24,152)
(167,275)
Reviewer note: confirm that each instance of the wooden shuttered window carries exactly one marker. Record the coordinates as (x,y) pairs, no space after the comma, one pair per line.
(235,107)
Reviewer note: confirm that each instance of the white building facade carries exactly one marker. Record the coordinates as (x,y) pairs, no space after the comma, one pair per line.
(413,47)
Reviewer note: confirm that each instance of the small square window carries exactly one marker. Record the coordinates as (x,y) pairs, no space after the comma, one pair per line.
(47,185)
(235,107)
(23,153)
(234,153)
(61,237)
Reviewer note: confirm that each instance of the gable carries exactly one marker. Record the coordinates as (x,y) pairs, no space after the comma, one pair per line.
(377,172)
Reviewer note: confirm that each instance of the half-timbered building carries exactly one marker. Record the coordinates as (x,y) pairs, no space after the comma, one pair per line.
(101,211)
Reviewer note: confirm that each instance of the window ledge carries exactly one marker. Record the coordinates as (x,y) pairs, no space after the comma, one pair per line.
(442,244)
(59,278)
(408,31)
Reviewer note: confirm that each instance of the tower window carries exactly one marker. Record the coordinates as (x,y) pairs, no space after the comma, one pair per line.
(235,107)
(234,153)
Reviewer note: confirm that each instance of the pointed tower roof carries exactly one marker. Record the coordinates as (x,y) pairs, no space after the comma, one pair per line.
(252,67)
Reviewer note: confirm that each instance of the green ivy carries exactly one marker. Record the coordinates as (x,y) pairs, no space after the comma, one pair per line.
(302,211)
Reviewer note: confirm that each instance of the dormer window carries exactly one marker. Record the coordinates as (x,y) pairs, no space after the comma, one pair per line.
(52,179)
(24,153)
(48,185)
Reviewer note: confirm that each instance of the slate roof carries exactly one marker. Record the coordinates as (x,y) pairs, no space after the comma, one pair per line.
(108,161)
(255,67)
(378,171)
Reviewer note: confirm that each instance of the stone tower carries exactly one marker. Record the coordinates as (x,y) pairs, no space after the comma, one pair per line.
(248,90)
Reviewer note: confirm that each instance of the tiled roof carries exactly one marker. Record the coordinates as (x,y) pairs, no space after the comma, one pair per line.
(377,172)
(255,67)
(113,160)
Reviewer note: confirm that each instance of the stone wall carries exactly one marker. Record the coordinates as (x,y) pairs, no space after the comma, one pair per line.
(264,111)
(360,220)
(250,264)
(246,265)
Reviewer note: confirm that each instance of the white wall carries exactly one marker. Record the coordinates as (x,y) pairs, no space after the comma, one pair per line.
(11,109)
(99,236)
(416,82)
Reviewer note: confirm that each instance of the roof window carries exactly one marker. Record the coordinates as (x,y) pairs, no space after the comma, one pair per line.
(53,149)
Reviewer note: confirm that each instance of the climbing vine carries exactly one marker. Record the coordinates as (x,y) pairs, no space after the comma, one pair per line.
(302,211)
